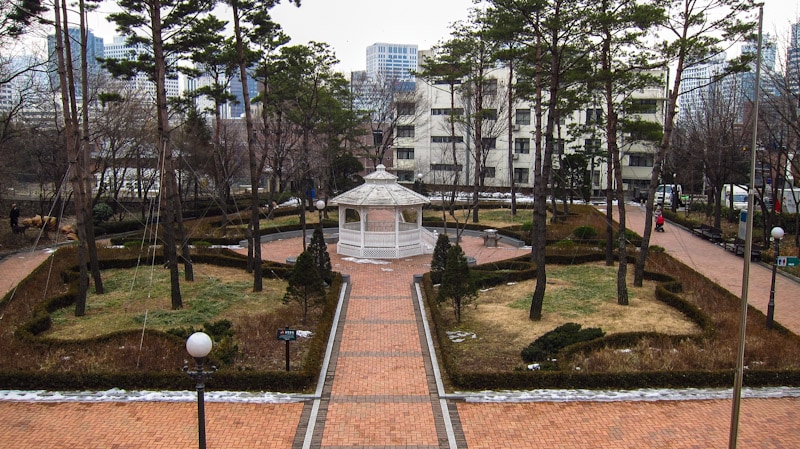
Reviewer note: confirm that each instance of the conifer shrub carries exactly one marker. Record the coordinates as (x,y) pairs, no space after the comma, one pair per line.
(546,347)
(584,232)
(439,259)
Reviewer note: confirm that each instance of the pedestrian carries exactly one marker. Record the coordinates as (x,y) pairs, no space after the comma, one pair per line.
(14,217)
(660,223)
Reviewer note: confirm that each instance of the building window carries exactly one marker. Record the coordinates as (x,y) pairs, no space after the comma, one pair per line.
(594,116)
(446,167)
(489,143)
(592,146)
(642,106)
(522,145)
(405,153)
(640,160)
(558,146)
(447,111)
(523,117)
(446,139)
(488,172)
(490,86)
(406,108)
(489,114)
(446,81)
(377,137)
(521,175)
(405,131)
(405,176)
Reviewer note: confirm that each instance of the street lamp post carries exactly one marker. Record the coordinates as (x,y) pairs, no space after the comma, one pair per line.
(320,207)
(199,345)
(777,234)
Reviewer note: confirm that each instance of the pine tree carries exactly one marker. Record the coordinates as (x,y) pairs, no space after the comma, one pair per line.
(439,259)
(319,254)
(457,283)
(305,284)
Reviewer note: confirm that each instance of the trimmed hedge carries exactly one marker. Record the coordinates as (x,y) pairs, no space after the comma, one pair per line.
(667,291)
(225,378)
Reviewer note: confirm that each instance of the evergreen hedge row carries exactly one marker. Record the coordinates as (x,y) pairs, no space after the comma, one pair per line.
(223,379)
(667,291)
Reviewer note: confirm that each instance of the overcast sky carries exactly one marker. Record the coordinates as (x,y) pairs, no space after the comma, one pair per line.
(349,26)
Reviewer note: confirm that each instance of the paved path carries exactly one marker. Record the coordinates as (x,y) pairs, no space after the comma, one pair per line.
(724,268)
(380,392)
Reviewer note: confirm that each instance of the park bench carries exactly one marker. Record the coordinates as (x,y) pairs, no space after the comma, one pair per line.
(737,247)
(708,232)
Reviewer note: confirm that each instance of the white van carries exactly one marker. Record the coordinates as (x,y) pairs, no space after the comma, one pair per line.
(664,194)
(739,195)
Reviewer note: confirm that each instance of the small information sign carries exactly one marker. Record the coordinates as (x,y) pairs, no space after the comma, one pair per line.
(787,261)
(287,334)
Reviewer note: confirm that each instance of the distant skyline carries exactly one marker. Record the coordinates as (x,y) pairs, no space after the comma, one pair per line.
(350,26)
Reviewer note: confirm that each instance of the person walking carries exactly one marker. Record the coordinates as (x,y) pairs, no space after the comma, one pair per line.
(14,217)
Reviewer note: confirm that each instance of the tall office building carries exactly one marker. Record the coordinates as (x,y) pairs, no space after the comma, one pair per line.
(769,54)
(120,49)
(695,85)
(397,61)
(94,49)
(793,60)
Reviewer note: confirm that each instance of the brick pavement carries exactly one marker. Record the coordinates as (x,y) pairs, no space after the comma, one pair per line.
(380,394)
(725,268)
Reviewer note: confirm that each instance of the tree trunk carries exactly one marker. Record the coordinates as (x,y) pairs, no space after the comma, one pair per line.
(72,140)
(168,181)
(255,176)
(539,221)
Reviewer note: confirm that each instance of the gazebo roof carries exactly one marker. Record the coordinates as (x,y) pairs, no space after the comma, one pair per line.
(380,188)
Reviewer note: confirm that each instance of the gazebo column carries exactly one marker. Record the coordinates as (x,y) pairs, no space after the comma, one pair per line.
(397,232)
(363,222)
(419,229)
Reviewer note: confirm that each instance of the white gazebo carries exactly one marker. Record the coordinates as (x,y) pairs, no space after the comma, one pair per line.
(372,219)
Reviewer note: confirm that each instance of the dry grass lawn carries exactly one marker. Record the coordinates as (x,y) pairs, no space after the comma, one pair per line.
(581,294)
(140,298)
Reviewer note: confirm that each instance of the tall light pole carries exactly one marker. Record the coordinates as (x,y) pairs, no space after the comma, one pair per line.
(737,383)
(199,345)
(777,234)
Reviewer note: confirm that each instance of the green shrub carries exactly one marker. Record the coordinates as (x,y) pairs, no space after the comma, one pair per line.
(101,212)
(133,244)
(548,345)
(632,238)
(584,232)
(564,244)
(527,226)
(656,249)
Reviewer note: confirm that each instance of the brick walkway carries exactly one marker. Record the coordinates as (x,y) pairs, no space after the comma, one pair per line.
(380,392)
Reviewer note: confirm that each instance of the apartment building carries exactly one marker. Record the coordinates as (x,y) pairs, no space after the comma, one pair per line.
(424,147)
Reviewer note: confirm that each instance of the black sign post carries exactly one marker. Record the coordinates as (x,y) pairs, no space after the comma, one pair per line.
(287,335)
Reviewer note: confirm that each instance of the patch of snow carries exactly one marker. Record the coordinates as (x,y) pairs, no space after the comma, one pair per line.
(387,269)
(648,394)
(511,283)
(372,261)
(460,336)
(120,395)
(304,334)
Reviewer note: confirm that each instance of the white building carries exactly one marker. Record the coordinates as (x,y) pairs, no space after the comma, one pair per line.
(120,49)
(392,61)
(423,146)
